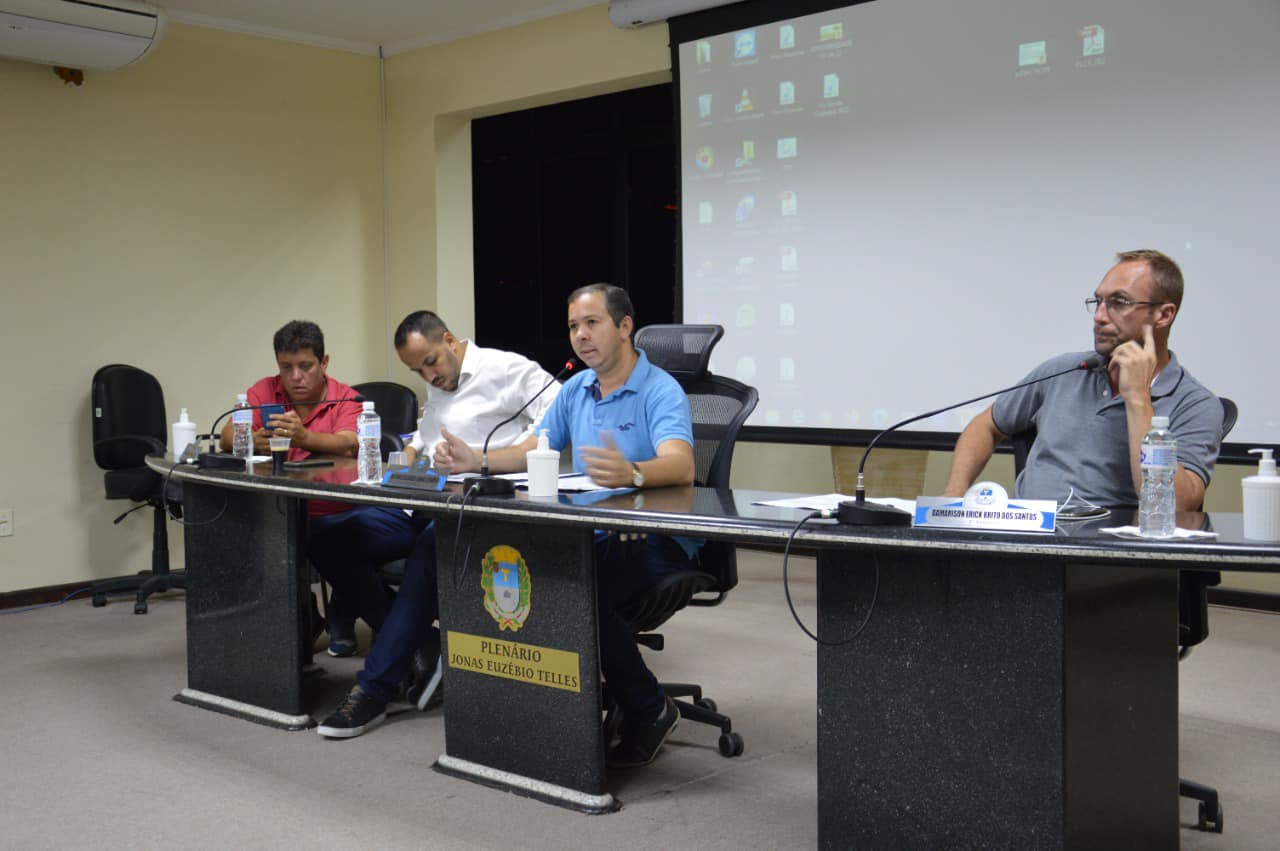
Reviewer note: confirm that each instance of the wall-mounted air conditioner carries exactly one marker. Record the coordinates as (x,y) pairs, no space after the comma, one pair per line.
(99,36)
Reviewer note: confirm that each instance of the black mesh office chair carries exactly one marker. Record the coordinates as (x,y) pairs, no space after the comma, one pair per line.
(129,424)
(1193,620)
(719,407)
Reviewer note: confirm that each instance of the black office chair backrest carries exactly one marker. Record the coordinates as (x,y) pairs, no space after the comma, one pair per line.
(396,404)
(718,406)
(126,402)
(682,350)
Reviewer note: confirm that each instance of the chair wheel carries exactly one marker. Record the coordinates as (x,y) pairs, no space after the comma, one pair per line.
(705,703)
(731,745)
(140,607)
(1210,825)
(99,600)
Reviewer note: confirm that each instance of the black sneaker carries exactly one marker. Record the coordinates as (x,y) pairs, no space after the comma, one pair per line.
(359,713)
(426,686)
(639,745)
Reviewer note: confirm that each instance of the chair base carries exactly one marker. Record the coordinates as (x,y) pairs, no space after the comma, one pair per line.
(699,709)
(1210,815)
(141,585)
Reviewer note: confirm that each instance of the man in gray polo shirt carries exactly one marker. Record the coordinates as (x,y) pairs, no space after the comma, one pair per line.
(1090,424)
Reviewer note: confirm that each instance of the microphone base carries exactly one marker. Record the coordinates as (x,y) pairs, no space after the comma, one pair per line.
(489,486)
(220,461)
(850,513)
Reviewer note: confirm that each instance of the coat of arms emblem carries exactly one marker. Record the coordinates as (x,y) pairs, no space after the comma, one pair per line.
(504,576)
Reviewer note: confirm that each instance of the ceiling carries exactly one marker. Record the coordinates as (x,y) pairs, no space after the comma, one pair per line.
(365,25)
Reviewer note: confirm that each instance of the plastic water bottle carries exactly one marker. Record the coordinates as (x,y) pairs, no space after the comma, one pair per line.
(370,434)
(1157,504)
(242,428)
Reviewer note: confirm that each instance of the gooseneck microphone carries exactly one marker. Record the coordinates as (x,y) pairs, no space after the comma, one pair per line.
(487,485)
(225,460)
(859,512)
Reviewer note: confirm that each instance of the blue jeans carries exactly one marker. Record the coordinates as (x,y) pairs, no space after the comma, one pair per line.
(348,548)
(622,571)
(408,626)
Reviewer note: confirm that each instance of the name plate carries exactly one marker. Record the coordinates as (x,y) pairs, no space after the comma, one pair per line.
(986,507)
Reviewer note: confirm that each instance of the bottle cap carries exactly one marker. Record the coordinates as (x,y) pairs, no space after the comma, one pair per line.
(242,398)
(543,440)
(1159,422)
(1266,464)
(369,407)
(184,418)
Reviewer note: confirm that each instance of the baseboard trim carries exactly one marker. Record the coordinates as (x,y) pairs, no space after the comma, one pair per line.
(1238,598)
(40,596)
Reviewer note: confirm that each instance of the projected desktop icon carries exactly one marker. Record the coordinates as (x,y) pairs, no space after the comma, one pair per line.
(704,106)
(744,103)
(745,369)
(746,206)
(1093,41)
(831,32)
(786,314)
(831,85)
(702,52)
(786,37)
(786,369)
(1033,53)
(746,316)
(786,93)
(704,213)
(788,259)
(744,44)
(748,155)
(706,158)
(744,266)
(788,204)
(787,148)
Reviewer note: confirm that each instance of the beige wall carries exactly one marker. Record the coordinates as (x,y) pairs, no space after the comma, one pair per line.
(171,215)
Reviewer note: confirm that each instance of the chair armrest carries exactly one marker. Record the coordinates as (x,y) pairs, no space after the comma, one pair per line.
(141,441)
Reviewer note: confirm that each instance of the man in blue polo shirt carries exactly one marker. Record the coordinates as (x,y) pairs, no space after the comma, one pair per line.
(1090,424)
(629,424)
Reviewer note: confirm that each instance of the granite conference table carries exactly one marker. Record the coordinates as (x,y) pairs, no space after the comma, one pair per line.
(1007,691)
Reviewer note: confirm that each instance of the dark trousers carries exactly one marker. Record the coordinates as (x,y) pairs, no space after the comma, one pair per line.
(408,626)
(623,570)
(348,548)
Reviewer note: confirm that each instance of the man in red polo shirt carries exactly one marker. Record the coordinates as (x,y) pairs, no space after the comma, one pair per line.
(340,535)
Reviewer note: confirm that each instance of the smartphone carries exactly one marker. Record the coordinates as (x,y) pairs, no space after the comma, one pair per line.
(268,411)
(307,462)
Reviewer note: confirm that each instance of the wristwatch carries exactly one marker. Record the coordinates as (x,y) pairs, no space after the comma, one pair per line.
(637,477)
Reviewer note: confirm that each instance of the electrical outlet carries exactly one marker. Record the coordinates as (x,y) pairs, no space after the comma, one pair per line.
(6,522)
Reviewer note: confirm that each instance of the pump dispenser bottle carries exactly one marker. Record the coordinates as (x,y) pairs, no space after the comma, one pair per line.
(1262,500)
(544,468)
(184,433)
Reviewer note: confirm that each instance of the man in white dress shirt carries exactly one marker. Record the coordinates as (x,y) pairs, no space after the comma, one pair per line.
(472,389)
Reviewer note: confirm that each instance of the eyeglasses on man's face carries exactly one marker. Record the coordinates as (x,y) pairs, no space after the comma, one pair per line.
(1114,304)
